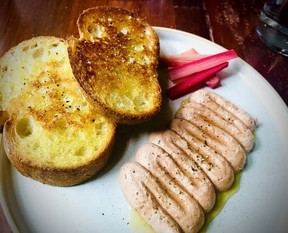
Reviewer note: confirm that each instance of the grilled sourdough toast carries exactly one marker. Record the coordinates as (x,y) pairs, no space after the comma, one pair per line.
(51,132)
(115,61)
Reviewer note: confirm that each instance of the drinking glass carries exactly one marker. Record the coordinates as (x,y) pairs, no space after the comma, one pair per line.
(272,26)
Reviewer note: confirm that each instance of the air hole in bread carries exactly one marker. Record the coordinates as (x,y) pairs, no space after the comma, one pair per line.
(24,127)
(61,124)
(35,146)
(54,45)
(25,48)
(139,101)
(38,52)
(95,31)
(80,152)
(5,68)
(34,46)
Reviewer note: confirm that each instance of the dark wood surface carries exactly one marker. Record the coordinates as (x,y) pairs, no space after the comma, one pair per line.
(226,22)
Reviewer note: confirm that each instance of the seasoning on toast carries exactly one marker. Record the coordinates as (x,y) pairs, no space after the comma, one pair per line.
(115,62)
(51,132)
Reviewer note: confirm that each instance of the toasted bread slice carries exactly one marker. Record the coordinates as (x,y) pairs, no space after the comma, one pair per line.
(52,134)
(115,62)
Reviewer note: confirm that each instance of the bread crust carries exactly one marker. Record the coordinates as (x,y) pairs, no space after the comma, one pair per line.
(100,72)
(51,133)
(57,176)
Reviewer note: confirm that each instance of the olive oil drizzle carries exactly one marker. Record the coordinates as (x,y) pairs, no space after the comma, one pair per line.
(139,225)
(222,198)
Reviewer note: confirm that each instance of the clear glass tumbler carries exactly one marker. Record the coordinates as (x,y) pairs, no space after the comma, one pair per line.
(272,26)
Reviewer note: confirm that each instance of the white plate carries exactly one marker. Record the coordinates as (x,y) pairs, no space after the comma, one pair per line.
(261,204)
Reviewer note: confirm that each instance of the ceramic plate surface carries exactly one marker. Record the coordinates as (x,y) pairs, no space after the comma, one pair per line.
(260,205)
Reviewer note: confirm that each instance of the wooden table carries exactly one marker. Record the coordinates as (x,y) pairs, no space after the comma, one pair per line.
(226,22)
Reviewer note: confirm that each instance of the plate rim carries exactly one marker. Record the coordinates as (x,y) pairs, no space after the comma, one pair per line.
(3,192)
